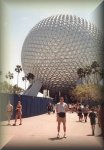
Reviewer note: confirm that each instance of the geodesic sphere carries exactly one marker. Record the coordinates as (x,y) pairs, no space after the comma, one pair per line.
(57,46)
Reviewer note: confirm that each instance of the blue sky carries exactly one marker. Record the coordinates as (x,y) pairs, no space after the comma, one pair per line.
(19,17)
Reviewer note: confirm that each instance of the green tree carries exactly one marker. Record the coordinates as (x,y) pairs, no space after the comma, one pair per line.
(30,77)
(81,74)
(9,76)
(5,87)
(24,79)
(92,91)
(102,76)
(17,90)
(88,71)
(95,70)
(18,69)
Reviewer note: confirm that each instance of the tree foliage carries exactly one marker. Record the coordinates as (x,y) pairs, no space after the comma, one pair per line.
(91,91)
(5,87)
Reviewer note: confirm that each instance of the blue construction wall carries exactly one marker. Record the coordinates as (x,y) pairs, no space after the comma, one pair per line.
(31,106)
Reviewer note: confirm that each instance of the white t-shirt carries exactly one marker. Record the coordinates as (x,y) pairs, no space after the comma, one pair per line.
(61,107)
(82,106)
(9,108)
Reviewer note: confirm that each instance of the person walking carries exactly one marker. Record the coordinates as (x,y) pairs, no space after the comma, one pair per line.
(9,111)
(100,116)
(49,108)
(18,113)
(61,109)
(85,112)
(92,116)
(79,112)
(54,108)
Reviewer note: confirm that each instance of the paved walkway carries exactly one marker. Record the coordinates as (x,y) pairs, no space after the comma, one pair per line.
(41,131)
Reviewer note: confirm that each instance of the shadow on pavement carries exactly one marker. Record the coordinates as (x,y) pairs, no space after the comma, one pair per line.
(55,138)
(90,135)
(100,135)
(5,125)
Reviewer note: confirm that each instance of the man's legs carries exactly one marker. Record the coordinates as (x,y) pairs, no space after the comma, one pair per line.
(64,128)
(58,128)
(93,129)
(85,117)
(20,117)
(15,120)
(9,117)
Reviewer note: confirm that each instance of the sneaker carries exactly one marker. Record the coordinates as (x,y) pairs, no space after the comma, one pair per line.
(20,124)
(58,136)
(93,134)
(14,124)
(64,135)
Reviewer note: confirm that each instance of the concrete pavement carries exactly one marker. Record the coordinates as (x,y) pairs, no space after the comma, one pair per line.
(41,131)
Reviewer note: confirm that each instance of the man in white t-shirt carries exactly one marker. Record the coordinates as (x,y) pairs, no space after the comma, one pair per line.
(61,109)
(9,111)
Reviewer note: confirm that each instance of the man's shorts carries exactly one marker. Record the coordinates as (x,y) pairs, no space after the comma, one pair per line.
(61,119)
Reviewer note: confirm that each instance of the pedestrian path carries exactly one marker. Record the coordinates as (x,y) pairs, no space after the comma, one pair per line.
(41,131)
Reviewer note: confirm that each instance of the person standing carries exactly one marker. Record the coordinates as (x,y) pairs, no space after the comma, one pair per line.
(9,110)
(61,109)
(18,113)
(92,116)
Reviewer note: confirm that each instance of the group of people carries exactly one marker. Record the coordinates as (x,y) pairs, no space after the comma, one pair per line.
(82,111)
(18,112)
(85,112)
(61,108)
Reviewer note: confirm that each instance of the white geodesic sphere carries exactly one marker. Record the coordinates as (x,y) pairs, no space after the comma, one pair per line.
(57,46)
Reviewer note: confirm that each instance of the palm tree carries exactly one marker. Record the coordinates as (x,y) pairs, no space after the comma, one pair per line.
(81,74)
(18,69)
(88,71)
(24,79)
(9,76)
(30,77)
(17,90)
(95,70)
(102,75)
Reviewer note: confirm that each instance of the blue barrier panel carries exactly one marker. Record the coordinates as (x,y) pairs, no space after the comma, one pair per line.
(31,106)
(28,107)
(24,105)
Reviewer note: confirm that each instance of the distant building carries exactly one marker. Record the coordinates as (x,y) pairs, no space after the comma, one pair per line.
(55,48)
(98,16)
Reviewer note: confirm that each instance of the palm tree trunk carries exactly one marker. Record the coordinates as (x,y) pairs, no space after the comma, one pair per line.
(86,79)
(25,84)
(96,74)
(81,80)
(94,78)
(17,79)
(9,81)
(89,79)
